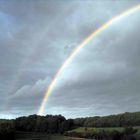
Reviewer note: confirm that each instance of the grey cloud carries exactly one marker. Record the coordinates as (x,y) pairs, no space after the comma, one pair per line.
(113,76)
(105,70)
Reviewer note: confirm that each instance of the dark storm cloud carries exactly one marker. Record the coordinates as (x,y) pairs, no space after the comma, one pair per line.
(103,77)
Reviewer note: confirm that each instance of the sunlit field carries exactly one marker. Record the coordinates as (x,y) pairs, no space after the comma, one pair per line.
(111,129)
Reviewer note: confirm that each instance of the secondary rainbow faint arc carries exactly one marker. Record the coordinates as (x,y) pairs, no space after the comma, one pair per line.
(77,49)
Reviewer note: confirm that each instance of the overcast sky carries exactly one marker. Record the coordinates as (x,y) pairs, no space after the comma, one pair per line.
(36,37)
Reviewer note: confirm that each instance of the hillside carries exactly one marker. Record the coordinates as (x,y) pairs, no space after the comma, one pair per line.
(119,120)
(126,124)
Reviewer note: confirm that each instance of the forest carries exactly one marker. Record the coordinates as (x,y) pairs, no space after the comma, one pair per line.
(58,124)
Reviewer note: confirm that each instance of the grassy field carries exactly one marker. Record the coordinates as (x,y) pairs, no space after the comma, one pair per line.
(110,129)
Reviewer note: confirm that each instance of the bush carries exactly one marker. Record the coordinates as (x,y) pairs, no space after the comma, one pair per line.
(7,131)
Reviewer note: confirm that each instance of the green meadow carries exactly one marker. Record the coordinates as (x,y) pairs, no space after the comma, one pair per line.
(110,129)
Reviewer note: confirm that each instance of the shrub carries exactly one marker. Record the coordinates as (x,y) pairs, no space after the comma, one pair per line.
(7,131)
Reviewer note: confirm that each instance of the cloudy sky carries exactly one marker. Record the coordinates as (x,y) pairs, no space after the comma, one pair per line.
(36,37)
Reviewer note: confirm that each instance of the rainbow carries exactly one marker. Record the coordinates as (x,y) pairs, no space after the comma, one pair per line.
(77,49)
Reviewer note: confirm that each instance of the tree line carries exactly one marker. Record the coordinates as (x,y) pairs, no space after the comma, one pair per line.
(120,120)
(51,124)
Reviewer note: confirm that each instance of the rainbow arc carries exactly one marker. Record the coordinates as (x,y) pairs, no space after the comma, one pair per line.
(77,49)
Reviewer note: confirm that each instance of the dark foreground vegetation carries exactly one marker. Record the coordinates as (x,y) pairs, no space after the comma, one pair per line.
(92,127)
